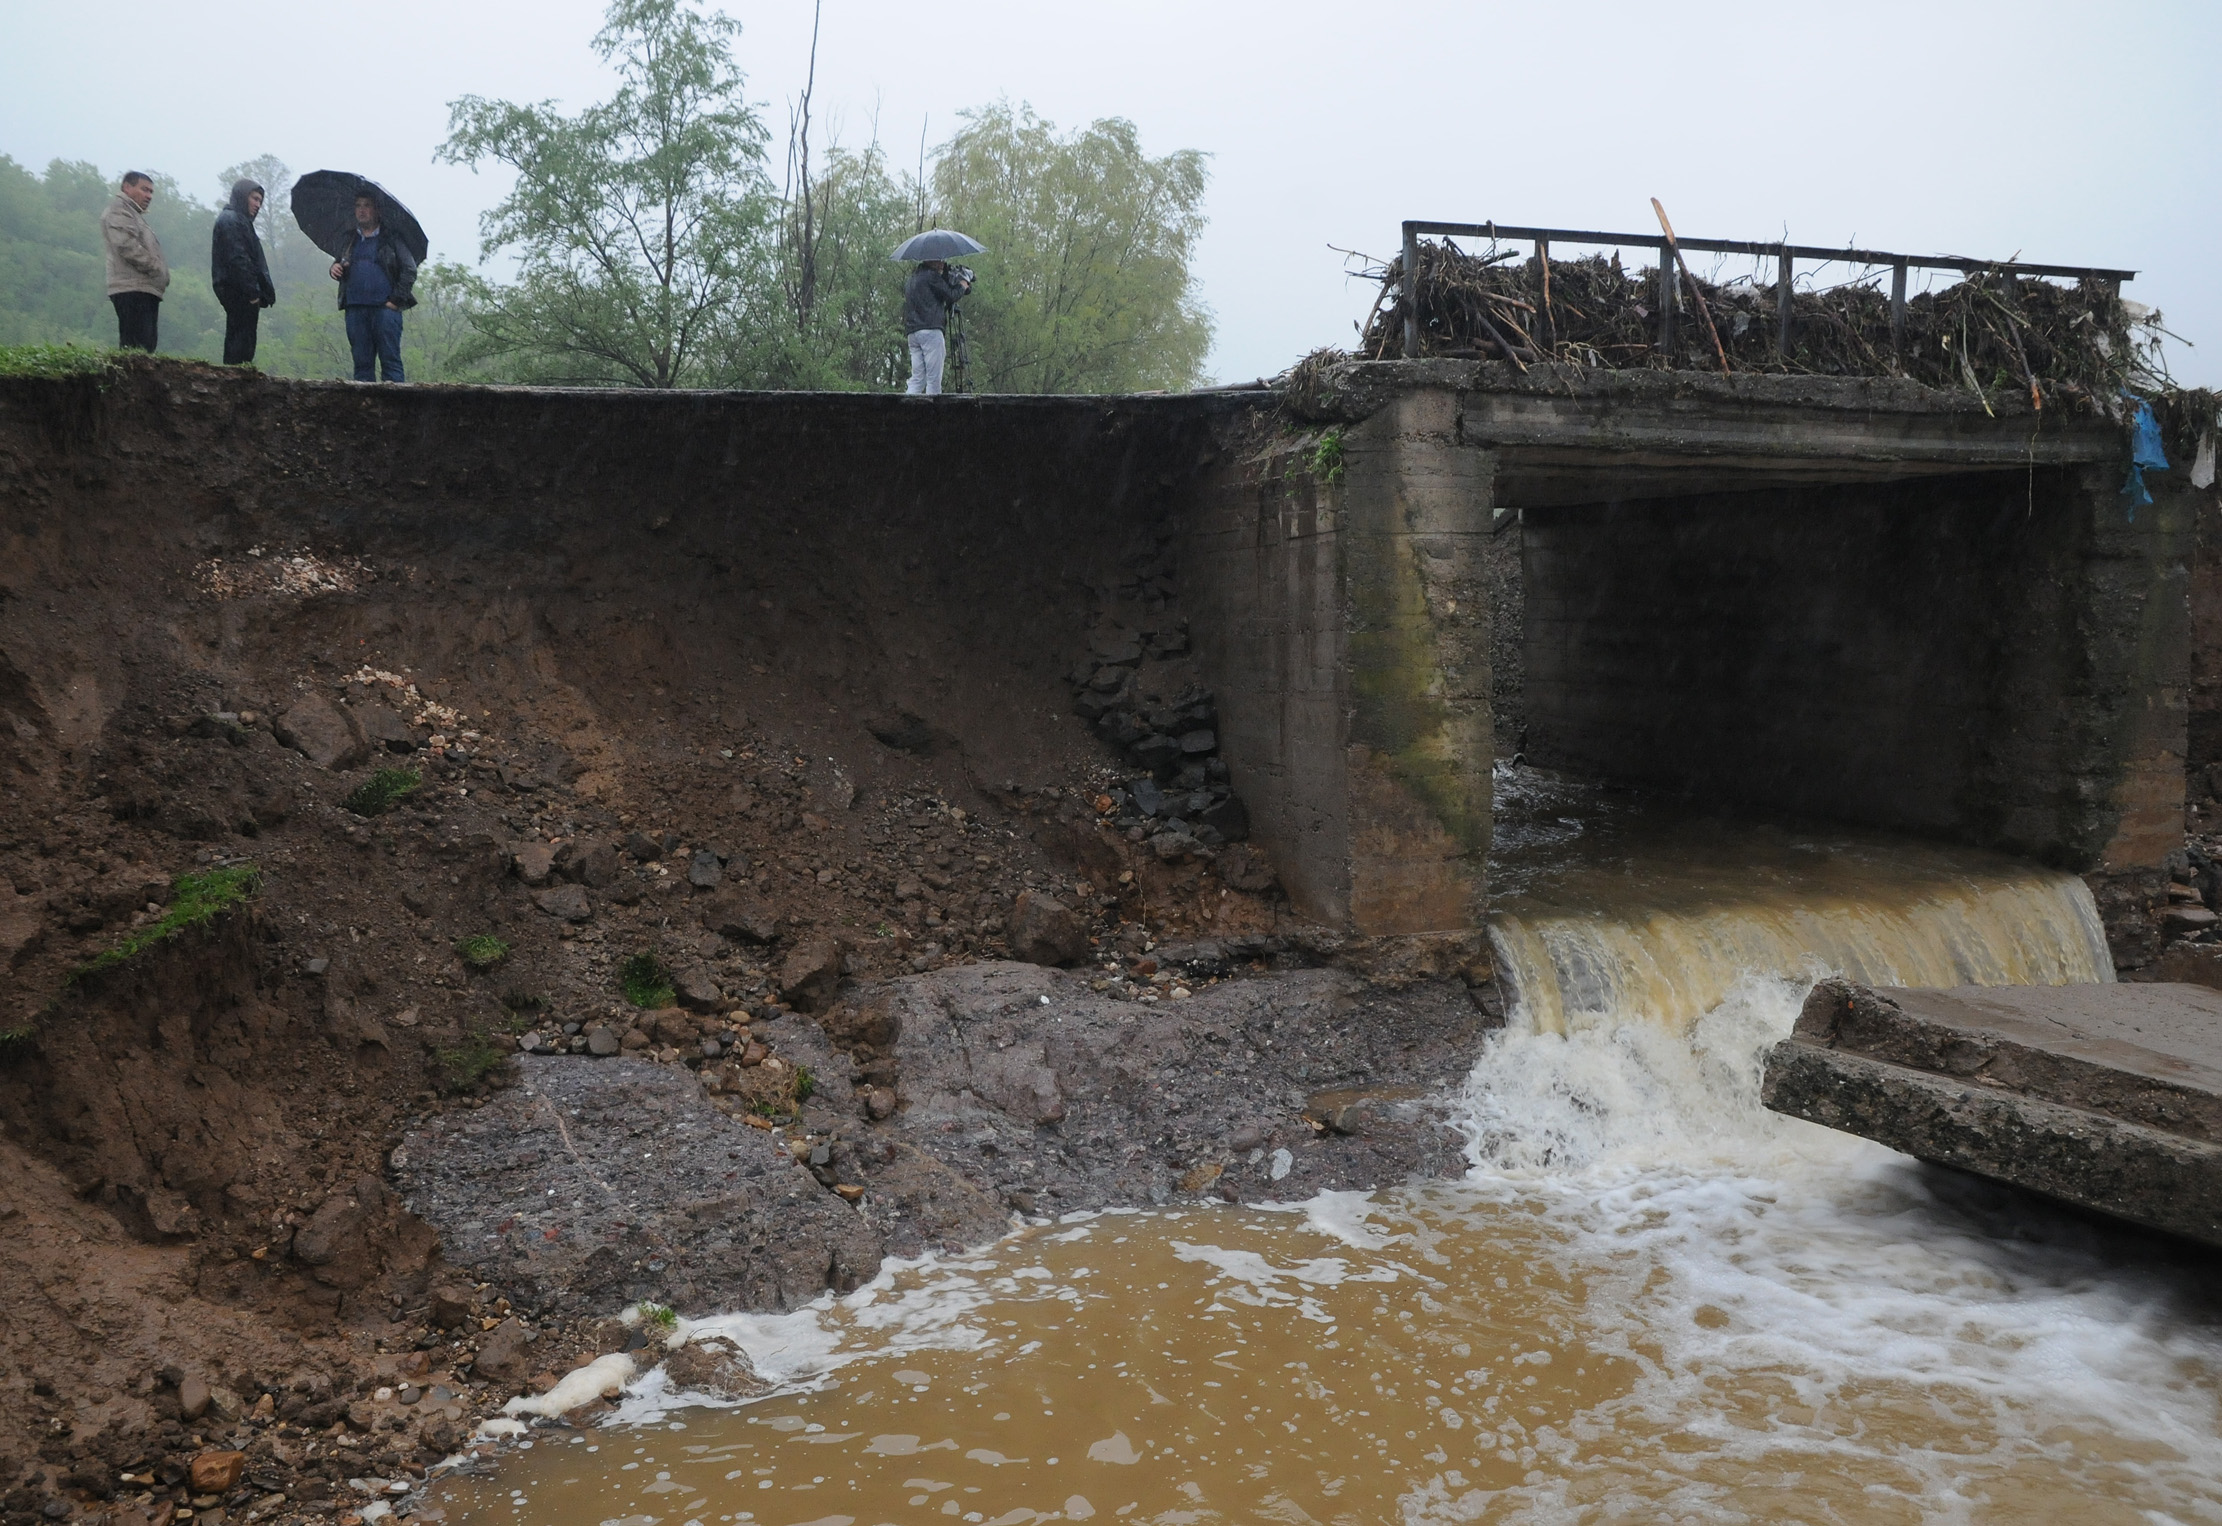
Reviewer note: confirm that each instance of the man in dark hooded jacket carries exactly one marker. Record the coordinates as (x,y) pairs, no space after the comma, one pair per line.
(239,272)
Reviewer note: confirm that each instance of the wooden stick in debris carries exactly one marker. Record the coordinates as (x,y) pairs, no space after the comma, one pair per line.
(1496,335)
(1550,319)
(1704,312)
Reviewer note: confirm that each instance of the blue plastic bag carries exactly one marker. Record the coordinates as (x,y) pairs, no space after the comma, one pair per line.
(2145,454)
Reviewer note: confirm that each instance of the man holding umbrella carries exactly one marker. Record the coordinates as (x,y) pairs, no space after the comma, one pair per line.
(376,278)
(929,295)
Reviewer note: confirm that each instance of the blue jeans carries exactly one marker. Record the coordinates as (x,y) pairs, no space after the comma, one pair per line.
(374,333)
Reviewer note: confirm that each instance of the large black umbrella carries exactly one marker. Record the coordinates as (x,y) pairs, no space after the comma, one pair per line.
(939,244)
(324,206)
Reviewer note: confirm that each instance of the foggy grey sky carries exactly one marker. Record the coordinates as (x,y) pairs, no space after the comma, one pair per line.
(2072,134)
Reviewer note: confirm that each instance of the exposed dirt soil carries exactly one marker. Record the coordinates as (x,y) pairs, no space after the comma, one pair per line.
(779,695)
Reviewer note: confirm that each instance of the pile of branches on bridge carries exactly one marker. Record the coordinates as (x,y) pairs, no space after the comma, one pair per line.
(1992,332)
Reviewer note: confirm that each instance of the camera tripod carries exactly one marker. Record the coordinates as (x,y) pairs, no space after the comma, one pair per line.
(958,377)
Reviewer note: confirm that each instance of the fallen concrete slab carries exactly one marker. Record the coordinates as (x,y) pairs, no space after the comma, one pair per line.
(2105,1096)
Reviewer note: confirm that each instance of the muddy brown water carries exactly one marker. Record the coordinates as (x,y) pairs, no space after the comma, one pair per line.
(1650,1299)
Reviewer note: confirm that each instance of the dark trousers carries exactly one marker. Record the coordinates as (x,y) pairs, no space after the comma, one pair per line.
(239,332)
(374,334)
(137,316)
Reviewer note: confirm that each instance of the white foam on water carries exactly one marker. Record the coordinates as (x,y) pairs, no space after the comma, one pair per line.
(1723,1245)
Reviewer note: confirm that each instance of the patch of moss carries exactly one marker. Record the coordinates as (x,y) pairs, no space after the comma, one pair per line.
(482,951)
(384,789)
(659,1316)
(646,983)
(194,899)
(55,360)
(805,1083)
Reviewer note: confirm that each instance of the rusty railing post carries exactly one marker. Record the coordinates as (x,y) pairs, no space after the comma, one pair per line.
(1411,292)
(1783,318)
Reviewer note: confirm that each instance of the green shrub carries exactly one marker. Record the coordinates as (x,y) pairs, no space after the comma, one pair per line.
(1326,457)
(194,899)
(646,983)
(482,951)
(463,1066)
(805,1083)
(658,1316)
(380,792)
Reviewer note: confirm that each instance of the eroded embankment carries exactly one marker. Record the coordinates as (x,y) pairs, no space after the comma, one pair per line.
(776,691)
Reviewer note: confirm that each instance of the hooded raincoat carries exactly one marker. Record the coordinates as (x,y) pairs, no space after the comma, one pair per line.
(237,267)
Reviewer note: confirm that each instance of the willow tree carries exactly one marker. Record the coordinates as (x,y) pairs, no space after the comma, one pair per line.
(1086,286)
(637,222)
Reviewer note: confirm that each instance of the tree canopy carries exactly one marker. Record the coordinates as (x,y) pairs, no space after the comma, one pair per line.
(1086,287)
(634,219)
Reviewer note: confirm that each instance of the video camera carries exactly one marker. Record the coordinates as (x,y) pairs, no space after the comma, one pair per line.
(962,273)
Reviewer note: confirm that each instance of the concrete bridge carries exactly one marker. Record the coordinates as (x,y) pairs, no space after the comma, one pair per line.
(1857,598)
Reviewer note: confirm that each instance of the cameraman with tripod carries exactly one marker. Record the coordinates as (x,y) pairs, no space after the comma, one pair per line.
(930,296)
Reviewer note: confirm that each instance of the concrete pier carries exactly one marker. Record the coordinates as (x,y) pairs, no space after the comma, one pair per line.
(2105,1096)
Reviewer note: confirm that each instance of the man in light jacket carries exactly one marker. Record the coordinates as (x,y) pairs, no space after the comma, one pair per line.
(928,296)
(239,271)
(137,272)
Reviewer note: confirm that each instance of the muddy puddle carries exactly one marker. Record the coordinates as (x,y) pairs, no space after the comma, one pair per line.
(1650,1300)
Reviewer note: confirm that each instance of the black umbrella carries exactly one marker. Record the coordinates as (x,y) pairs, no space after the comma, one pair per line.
(324,206)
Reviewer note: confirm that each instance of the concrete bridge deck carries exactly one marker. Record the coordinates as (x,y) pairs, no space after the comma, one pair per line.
(2105,1096)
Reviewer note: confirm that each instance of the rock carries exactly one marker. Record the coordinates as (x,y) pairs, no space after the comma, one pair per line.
(704,871)
(1197,742)
(698,989)
(1156,751)
(1118,647)
(1230,818)
(811,974)
(501,1359)
(1247,1137)
(451,1306)
(217,1472)
(322,732)
(1147,797)
(602,1041)
(171,1215)
(668,1025)
(1174,844)
(1044,930)
(2188,919)
(635,1040)
(598,866)
(337,1240)
(739,913)
(192,1397)
(383,728)
(880,1102)
(568,902)
(643,847)
(715,1367)
(533,861)
(1245,868)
